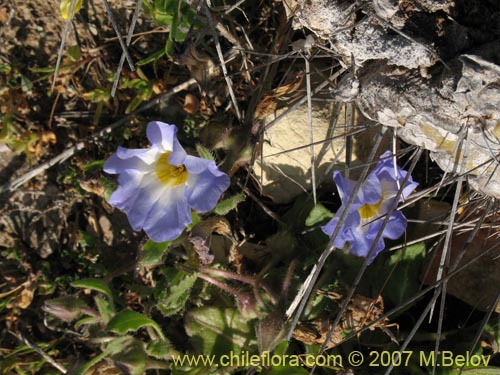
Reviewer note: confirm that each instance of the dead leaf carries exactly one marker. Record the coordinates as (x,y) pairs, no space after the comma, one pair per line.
(39,143)
(191,104)
(93,186)
(360,312)
(26,296)
(268,104)
(4,15)
(107,230)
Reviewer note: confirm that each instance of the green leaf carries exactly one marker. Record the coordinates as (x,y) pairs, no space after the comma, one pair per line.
(404,281)
(493,328)
(93,284)
(482,371)
(164,11)
(218,331)
(229,204)
(98,95)
(86,239)
(160,349)
(96,164)
(174,298)
(106,310)
(131,355)
(152,252)
(109,187)
(126,321)
(8,131)
(152,58)
(118,344)
(5,69)
(204,152)
(26,84)
(318,214)
(91,320)
(83,369)
(49,69)
(169,47)
(282,244)
(287,370)
(74,53)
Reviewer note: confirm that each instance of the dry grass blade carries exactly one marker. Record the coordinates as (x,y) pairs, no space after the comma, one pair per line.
(412,300)
(63,42)
(445,259)
(323,141)
(138,6)
(221,59)
(118,34)
(37,349)
(311,133)
(349,124)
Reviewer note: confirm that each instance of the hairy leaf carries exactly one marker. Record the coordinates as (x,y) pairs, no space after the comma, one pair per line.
(126,321)
(174,298)
(219,331)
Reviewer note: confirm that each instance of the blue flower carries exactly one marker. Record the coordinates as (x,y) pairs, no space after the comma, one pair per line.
(367,213)
(159,185)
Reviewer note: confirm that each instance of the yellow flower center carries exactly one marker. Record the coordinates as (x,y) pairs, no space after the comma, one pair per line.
(170,174)
(368,211)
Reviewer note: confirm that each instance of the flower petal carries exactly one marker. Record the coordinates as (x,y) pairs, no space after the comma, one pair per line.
(345,186)
(396,226)
(164,136)
(169,216)
(345,234)
(205,184)
(131,159)
(362,241)
(161,135)
(148,193)
(370,191)
(126,193)
(178,155)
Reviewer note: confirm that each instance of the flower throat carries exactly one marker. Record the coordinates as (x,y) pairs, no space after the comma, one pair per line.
(170,174)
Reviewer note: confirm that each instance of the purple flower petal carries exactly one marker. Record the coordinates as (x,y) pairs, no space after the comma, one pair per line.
(130,159)
(396,226)
(162,135)
(169,216)
(126,193)
(205,184)
(344,186)
(144,200)
(370,191)
(361,244)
